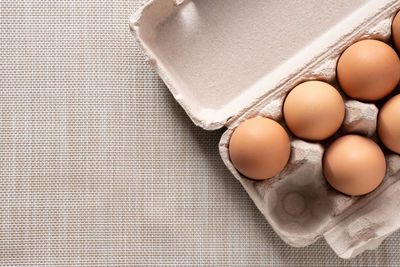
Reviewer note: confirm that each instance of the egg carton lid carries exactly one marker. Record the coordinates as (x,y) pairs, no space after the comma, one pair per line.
(220,58)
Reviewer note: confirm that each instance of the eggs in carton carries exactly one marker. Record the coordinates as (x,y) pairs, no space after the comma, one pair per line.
(228,61)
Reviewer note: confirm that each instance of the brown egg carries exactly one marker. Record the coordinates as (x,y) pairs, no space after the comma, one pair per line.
(389,124)
(396,31)
(368,70)
(314,110)
(354,165)
(259,148)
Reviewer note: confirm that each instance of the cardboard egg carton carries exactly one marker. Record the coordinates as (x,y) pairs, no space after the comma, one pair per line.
(226,61)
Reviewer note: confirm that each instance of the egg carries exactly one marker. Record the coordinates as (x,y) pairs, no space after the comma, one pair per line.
(396,31)
(259,148)
(354,165)
(389,124)
(368,70)
(314,110)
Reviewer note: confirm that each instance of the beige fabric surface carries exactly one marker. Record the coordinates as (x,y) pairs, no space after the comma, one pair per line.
(100,167)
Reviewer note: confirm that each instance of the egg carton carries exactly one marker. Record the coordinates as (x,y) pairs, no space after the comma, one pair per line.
(226,61)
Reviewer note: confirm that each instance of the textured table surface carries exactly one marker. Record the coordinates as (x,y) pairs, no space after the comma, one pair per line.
(99,166)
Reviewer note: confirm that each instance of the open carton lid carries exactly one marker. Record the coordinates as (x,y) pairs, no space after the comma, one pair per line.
(219,58)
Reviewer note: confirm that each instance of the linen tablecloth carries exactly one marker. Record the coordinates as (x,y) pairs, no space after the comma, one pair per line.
(99,166)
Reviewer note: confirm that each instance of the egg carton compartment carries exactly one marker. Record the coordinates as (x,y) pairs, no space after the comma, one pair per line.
(360,118)
(224,65)
(298,202)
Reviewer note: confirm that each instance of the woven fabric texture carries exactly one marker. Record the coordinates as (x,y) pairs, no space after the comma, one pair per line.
(99,166)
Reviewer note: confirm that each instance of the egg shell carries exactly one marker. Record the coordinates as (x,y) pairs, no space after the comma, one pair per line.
(259,148)
(396,31)
(389,124)
(314,110)
(368,70)
(354,165)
